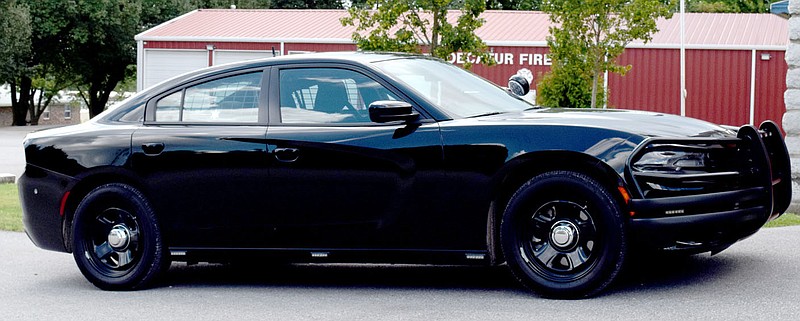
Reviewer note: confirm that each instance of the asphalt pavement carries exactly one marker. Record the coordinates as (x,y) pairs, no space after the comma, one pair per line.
(756,279)
(12,155)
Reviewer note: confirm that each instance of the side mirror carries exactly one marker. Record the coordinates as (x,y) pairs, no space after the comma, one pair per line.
(519,85)
(384,111)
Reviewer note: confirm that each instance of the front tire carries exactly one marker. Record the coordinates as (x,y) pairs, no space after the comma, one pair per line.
(117,243)
(563,235)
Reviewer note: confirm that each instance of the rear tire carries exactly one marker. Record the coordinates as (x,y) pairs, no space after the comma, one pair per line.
(563,235)
(117,243)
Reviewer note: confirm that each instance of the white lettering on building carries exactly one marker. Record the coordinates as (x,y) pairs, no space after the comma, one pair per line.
(504,58)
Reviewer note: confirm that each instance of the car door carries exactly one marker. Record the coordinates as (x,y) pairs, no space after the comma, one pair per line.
(339,180)
(202,156)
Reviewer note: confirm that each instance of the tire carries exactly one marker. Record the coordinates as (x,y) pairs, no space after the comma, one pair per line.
(563,235)
(117,243)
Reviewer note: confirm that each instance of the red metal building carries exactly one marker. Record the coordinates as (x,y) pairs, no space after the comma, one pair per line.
(735,67)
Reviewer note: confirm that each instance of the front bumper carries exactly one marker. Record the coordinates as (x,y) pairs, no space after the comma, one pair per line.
(709,210)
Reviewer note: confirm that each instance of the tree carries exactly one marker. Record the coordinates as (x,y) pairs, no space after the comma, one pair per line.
(588,36)
(567,85)
(35,75)
(156,12)
(15,51)
(419,25)
(729,6)
(224,4)
(514,4)
(306,4)
(98,46)
(48,45)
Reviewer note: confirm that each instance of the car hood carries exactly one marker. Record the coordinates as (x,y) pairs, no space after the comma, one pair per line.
(644,124)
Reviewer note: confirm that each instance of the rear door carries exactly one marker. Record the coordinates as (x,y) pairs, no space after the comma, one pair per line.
(202,157)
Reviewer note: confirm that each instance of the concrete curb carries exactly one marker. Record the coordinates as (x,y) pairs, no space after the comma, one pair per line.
(6,178)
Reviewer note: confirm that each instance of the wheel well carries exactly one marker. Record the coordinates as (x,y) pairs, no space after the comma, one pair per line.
(527,167)
(78,192)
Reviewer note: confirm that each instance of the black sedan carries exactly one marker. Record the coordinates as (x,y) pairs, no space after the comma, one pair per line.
(358,157)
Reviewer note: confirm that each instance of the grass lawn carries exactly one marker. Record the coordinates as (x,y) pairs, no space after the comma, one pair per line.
(787,219)
(11,211)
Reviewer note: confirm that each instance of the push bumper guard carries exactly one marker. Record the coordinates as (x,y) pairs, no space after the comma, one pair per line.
(742,183)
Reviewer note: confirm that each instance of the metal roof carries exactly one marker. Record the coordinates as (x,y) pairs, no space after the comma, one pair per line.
(502,28)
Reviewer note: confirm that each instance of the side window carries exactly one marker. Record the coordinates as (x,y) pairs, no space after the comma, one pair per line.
(327,95)
(229,100)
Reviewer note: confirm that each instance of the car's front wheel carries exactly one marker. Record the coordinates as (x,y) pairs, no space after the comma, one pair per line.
(563,235)
(117,243)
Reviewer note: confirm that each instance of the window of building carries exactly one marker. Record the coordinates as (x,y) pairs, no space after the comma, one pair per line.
(67,112)
(46,113)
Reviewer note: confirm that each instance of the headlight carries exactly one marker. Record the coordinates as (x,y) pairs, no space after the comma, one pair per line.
(674,168)
(670,161)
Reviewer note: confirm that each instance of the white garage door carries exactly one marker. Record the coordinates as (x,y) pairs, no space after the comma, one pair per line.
(160,65)
(225,56)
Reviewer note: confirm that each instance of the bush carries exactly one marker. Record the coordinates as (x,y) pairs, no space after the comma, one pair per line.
(567,87)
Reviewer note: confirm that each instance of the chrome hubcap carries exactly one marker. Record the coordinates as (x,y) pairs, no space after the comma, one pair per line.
(119,237)
(564,235)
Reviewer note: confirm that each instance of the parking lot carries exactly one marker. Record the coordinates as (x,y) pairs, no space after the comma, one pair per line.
(756,279)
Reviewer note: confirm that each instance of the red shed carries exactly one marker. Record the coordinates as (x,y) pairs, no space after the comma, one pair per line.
(735,67)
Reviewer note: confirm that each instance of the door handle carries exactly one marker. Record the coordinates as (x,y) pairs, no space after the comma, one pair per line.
(153,149)
(286,155)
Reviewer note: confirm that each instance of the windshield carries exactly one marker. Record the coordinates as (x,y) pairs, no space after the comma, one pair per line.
(457,92)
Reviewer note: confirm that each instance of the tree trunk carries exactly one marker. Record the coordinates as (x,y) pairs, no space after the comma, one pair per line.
(97,99)
(38,107)
(100,90)
(594,90)
(19,106)
(435,31)
(33,112)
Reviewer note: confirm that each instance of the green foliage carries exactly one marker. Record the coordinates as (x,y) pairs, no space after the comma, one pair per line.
(256,4)
(728,6)
(514,4)
(306,4)
(15,40)
(155,12)
(419,25)
(31,57)
(567,86)
(588,36)
(224,4)
(15,52)
(98,35)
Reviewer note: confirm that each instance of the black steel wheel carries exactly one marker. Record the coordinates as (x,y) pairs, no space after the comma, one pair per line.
(562,234)
(116,240)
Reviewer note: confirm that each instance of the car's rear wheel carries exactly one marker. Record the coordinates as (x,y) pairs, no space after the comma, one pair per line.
(563,235)
(117,243)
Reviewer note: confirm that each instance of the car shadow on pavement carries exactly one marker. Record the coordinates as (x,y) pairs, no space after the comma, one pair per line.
(399,276)
(655,273)
(644,274)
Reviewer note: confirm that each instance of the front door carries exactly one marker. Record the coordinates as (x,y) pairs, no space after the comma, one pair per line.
(339,180)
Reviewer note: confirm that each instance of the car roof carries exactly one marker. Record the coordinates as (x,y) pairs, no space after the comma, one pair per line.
(339,56)
(347,57)
(357,57)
